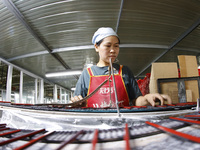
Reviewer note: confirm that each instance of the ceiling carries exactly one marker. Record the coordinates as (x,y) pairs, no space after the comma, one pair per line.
(55,35)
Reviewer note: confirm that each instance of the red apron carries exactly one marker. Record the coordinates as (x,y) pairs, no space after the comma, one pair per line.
(101,98)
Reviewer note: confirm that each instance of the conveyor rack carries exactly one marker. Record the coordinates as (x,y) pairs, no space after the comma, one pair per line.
(62,138)
(130,109)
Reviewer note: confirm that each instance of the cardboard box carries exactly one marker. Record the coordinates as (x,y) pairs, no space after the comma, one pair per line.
(161,70)
(189,68)
(193,86)
(189,95)
(164,70)
(171,89)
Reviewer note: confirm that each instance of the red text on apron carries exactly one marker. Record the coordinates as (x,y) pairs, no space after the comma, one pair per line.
(101,98)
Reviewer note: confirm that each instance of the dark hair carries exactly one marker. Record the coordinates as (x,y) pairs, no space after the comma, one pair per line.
(99,43)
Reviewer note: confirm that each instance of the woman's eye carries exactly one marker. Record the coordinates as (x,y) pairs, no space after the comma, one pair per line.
(107,45)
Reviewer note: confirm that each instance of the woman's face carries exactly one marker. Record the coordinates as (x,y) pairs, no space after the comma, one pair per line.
(109,48)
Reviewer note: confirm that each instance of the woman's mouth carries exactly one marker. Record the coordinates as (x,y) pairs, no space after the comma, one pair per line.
(112,56)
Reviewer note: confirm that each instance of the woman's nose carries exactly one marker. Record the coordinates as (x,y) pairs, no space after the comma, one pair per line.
(112,49)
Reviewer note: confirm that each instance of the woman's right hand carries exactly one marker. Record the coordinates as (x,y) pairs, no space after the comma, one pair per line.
(77,98)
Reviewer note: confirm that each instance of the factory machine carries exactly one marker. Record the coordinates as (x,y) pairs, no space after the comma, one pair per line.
(57,126)
(50,35)
(66,126)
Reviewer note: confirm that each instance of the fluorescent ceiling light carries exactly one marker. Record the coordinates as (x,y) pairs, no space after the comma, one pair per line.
(73,89)
(64,73)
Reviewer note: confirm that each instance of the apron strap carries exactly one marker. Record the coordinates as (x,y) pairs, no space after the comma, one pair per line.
(90,72)
(120,69)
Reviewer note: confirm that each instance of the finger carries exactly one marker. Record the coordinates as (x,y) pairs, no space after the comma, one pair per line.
(76,98)
(150,99)
(167,98)
(158,96)
(152,102)
(80,97)
(72,99)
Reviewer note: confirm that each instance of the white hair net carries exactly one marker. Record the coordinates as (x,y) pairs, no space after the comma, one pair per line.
(102,33)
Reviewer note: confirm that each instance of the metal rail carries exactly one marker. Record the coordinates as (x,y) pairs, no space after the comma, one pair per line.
(115,89)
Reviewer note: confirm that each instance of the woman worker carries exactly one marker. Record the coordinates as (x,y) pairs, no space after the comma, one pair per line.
(106,43)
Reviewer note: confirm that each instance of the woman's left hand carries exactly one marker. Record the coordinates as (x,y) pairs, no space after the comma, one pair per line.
(151,99)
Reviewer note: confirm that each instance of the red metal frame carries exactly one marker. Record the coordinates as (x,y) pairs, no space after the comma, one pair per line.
(63,144)
(10,132)
(2,129)
(185,120)
(21,137)
(34,141)
(192,116)
(126,137)
(174,132)
(2,125)
(95,139)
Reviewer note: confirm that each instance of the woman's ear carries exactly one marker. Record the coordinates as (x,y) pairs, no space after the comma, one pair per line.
(96,48)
